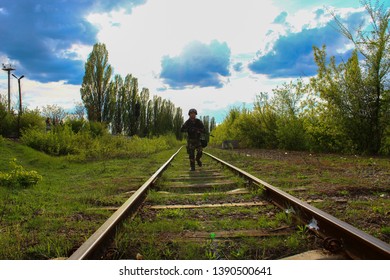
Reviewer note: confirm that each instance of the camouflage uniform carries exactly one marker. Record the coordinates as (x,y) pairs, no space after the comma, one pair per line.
(194,128)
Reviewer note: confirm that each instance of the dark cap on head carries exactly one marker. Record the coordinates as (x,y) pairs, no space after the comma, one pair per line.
(192,111)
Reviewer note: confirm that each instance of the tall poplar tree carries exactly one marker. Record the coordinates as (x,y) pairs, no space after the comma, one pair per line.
(117,90)
(144,125)
(178,121)
(95,89)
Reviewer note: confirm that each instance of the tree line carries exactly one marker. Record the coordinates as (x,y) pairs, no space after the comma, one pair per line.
(119,102)
(344,108)
(116,102)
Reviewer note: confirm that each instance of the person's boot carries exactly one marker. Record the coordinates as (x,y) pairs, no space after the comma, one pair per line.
(192,164)
(198,156)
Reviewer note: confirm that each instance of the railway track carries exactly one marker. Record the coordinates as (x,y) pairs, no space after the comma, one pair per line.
(221,212)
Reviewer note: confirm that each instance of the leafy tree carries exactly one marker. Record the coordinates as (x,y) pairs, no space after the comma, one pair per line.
(344,89)
(287,103)
(385,149)
(229,129)
(95,91)
(247,130)
(130,105)
(156,117)
(11,124)
(212,124)
(149,118)
(54,112)
(31,119)
(144,118)
(323,131)
(117,91)
(206,123)
(8,123)
(119,103)
(266,118)
(178,121)
(79,111)
(3,107)
(167,116)
(371,86)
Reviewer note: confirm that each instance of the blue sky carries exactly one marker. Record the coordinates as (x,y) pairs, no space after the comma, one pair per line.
(207,54)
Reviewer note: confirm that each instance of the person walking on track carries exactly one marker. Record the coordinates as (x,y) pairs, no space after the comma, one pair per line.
(194,127)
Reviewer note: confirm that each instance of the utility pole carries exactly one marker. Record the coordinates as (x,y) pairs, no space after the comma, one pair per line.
(8,67)
(20,93)
(20,102)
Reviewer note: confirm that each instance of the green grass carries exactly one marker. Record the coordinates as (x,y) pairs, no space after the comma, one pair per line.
(54,217)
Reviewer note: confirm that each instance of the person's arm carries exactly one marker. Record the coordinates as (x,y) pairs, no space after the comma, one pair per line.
(184,127)
(200,126)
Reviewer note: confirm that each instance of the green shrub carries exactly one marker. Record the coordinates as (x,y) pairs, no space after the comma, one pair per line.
(18,176)
(291,134)
(325,136)
(32,119)
(11,122)
(86,145)
(58,141)
(98,129)
(76,125)
(8,124)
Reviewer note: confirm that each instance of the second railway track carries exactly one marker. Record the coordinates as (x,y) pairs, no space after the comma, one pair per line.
(221,212)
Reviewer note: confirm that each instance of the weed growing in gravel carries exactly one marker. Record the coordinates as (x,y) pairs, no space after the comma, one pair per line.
(171,213)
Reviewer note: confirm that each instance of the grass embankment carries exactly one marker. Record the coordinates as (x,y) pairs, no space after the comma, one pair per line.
(54,217)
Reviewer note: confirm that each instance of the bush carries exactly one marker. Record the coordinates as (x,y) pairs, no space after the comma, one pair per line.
(8,124)
(325,135)
(62,140)
(98,129)
(58,141)
(11,122)
(76,125)
(291,134)
(31,119)
(19,177)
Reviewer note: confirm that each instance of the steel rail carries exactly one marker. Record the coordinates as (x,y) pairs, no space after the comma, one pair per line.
(90,248)
(339,235)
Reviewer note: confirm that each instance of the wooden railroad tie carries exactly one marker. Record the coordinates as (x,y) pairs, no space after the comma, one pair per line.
(216,205)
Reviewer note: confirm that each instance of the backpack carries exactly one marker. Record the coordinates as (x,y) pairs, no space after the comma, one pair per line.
(203,140)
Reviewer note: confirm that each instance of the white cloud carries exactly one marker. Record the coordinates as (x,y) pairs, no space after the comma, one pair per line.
(37,95)
(137,42)
(77,52)
(237,91)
